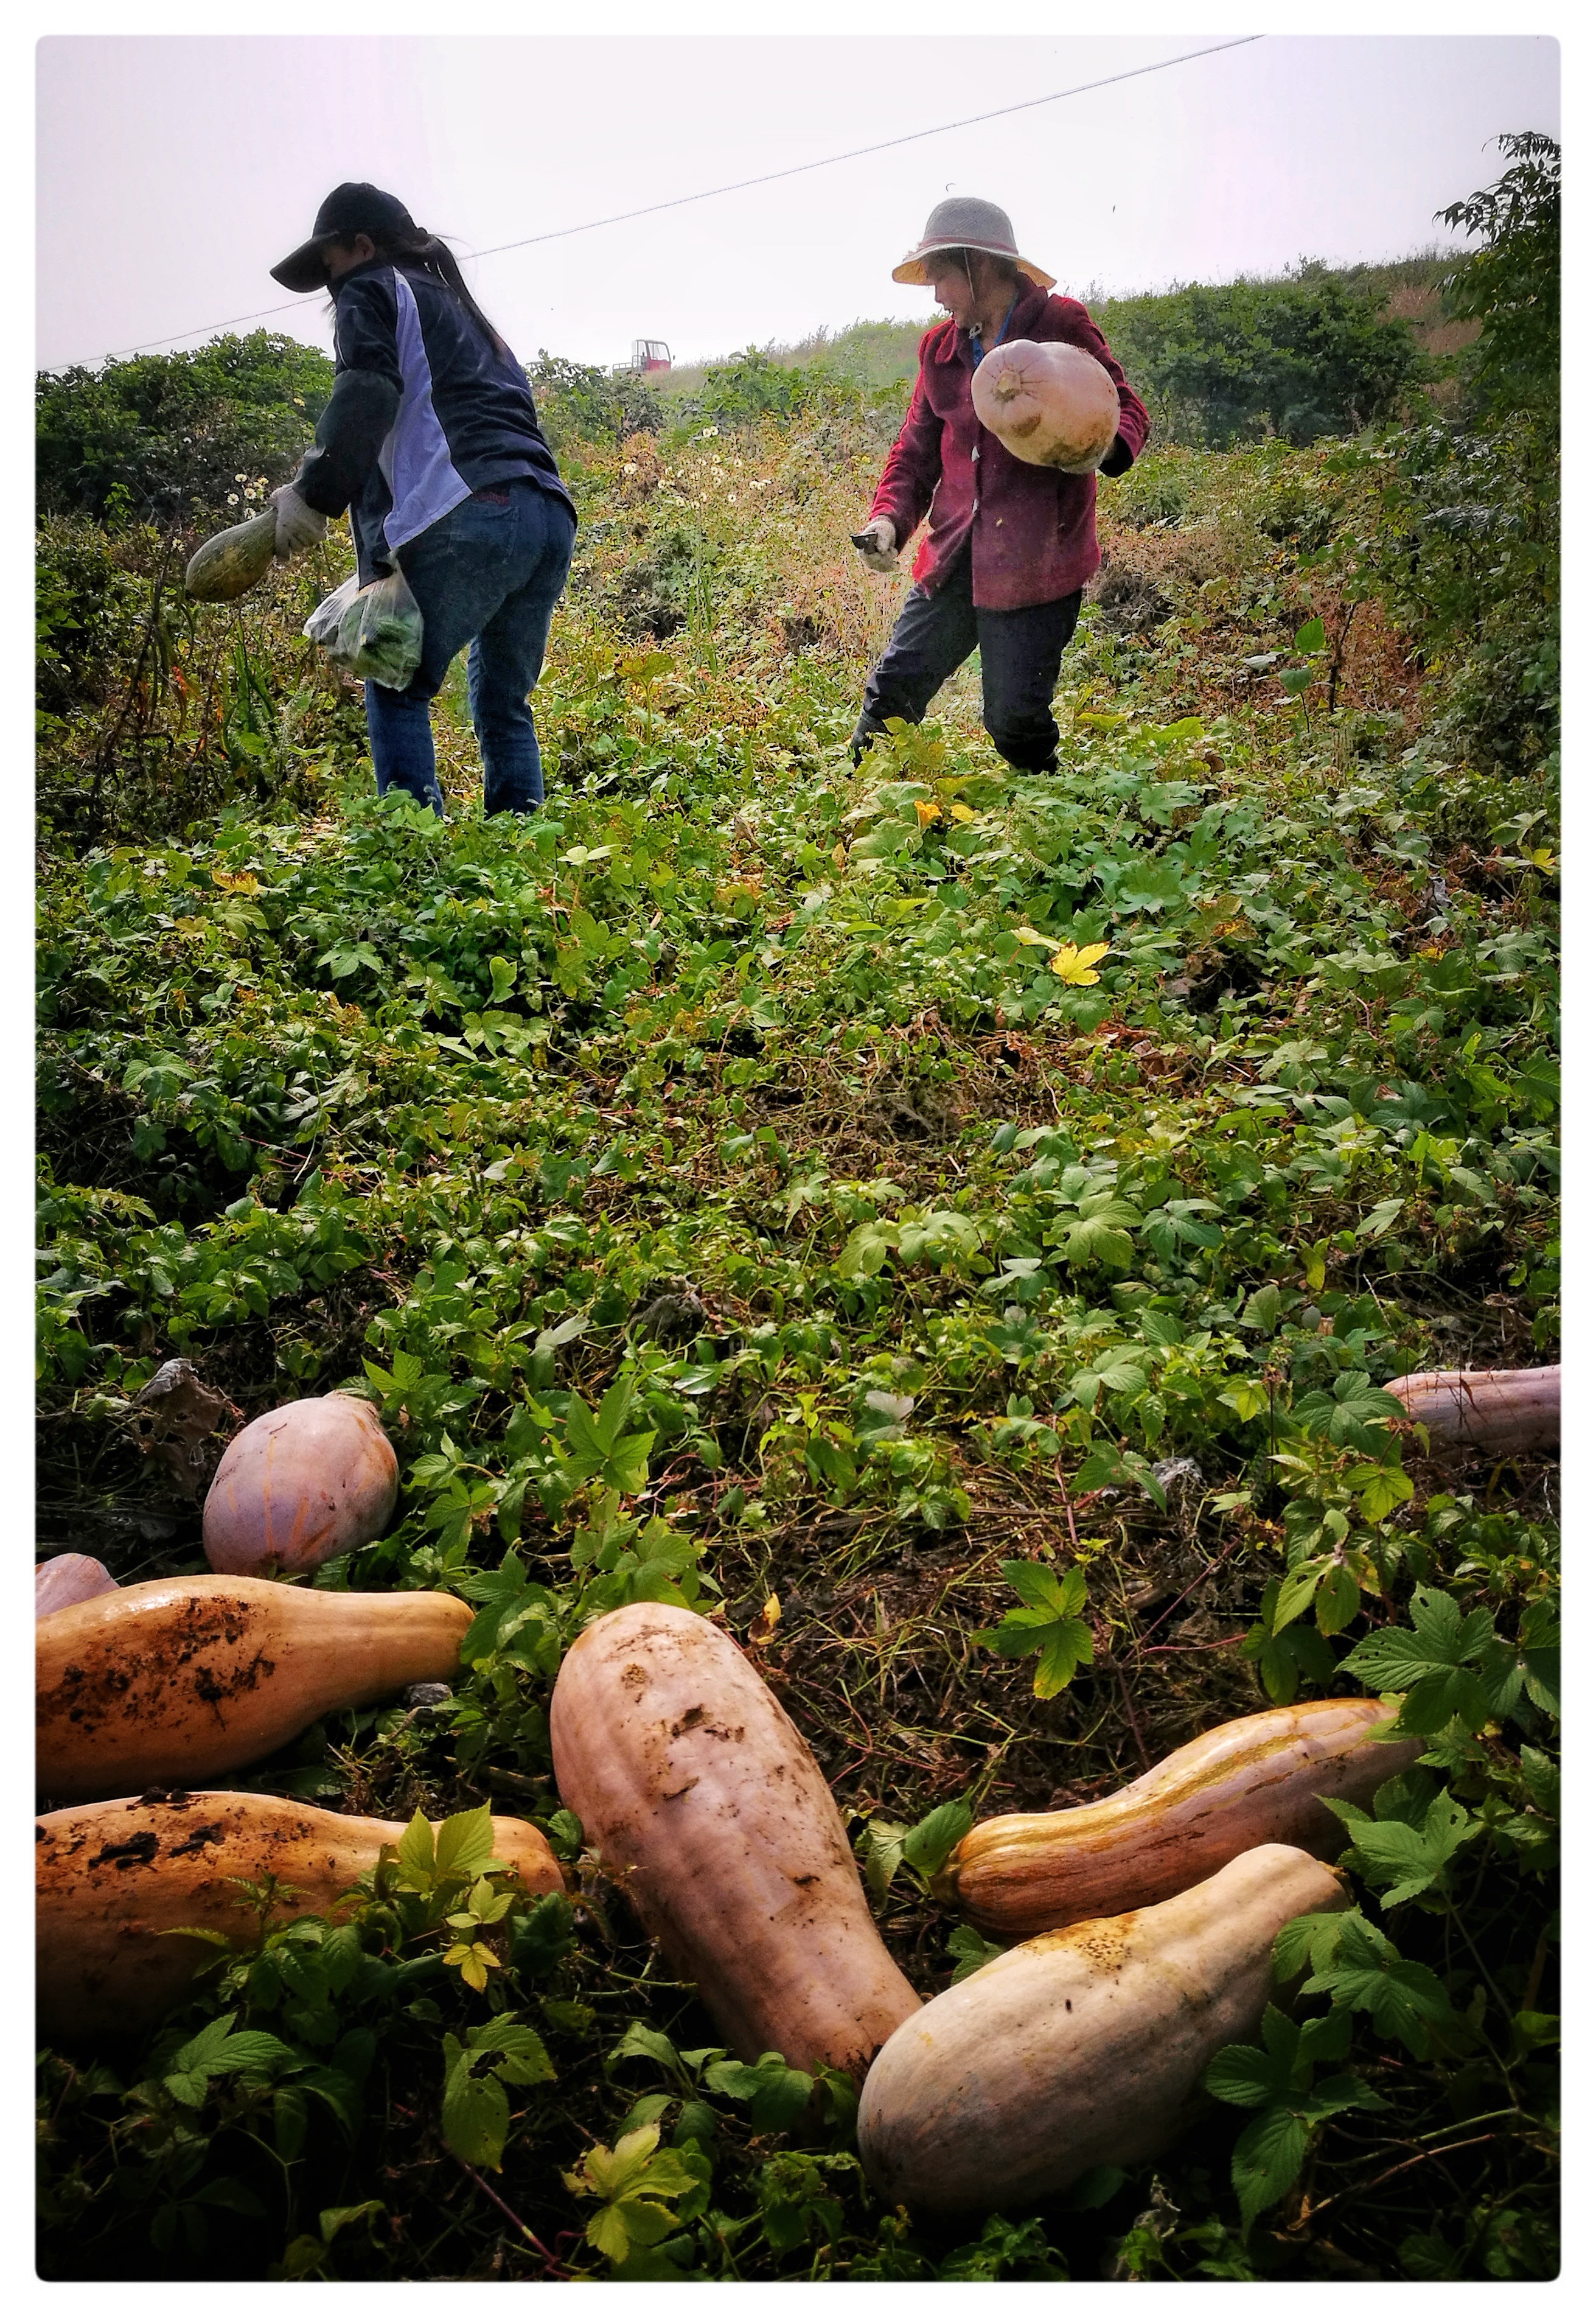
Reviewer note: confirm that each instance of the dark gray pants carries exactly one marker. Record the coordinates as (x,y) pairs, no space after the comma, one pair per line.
(936,632)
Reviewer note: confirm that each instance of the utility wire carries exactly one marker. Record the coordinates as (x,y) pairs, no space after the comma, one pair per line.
(742,184)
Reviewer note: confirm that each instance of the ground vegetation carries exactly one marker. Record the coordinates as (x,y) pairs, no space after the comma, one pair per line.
(952,1228)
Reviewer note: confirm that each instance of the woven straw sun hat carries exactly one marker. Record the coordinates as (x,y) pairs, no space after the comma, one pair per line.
(966,223)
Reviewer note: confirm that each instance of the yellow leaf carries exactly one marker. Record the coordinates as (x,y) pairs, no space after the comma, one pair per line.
(840,855)
(767,1621)
(1544,858)
(1073,966)
(960,812)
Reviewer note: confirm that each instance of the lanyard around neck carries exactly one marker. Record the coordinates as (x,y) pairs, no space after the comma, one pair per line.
(1002,330)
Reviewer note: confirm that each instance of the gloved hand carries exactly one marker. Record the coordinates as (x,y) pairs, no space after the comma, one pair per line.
(298,526)
(883,555)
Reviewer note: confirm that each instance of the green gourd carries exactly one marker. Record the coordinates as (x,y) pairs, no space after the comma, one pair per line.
(233,561)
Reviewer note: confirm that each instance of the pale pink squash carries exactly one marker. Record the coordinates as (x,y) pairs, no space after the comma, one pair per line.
(300,1486)
(1504,1411)
(70,1576)
(707,1807)
(1052,405)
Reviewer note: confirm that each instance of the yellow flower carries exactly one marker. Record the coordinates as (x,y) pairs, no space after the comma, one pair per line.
(926,811)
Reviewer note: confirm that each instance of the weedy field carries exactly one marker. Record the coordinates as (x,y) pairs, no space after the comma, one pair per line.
(951,1228)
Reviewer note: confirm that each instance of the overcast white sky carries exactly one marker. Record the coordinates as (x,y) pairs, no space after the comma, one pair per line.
(173,171)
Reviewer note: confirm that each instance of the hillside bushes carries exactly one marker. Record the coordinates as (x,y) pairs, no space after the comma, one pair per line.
(180,437)
(1300,358)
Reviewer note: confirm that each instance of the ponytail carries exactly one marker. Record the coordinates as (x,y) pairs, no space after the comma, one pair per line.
(434,258)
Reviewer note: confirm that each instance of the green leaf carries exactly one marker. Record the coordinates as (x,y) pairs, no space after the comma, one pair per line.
(518,2052)
(1245,2076)
(776,2094)
(970,1952)
(338,2217)
(1267,2160)
(1048,1623)
(929,1845)
(1434,1663)
(883,1846)
(1403,1860)
(1262,1309)
(476,2114)
(641,2042)
(1382,1487)
(416,1857)
(1360,1967)
(465,1846)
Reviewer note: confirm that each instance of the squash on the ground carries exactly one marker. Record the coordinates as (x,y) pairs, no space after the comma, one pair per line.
(1249,1782)
(707,1807)
(1086,2046)
(116,1878)
(188,1677)
(69,1577)
(1505,1412)
(298,1486)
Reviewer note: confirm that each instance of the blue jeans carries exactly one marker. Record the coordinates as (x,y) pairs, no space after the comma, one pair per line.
(489,574)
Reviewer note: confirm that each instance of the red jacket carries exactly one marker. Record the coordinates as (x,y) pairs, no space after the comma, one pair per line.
(1033,531)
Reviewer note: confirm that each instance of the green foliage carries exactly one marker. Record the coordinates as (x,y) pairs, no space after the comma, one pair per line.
(476,2115)
(785,1193)
(1278,2079)
(1300,358)
(577,403)
(1048,1620)
(1511,284)
(178,438)
(751,387)
(638,2187)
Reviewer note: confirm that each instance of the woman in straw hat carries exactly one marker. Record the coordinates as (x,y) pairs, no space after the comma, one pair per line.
(1010,546)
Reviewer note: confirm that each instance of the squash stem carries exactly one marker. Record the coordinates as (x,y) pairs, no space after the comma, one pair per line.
(551,2266)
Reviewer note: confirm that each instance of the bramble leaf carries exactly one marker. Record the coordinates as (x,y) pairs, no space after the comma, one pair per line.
(1048,1621)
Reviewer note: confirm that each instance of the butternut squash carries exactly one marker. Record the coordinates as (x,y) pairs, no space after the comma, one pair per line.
(1086,2046)
(191,1677)
(114,1879)
(706,1805)
(301,1484)
(1051,404)
(69,1577)
(1505,1411)
(232,561)
(1249,1782)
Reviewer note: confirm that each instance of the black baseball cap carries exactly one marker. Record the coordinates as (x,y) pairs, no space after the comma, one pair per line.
(348,210)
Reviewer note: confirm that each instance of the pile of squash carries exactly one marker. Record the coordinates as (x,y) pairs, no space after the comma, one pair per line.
(1144,1921)
(148,1690)
(1147,1921)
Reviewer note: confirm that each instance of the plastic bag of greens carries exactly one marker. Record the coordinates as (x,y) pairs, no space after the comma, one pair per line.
(374,631)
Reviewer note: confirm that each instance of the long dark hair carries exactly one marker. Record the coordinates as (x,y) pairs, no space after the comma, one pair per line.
(434,258)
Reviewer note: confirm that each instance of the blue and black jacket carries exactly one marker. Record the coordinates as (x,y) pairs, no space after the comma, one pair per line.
(424,411)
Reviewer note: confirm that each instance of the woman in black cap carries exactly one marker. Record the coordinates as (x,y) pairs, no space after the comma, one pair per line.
(430,442)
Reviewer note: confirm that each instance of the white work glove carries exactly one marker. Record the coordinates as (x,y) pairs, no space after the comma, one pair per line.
(883,555)
(298,526)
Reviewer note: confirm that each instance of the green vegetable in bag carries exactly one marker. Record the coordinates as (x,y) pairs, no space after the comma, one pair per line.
(373,632)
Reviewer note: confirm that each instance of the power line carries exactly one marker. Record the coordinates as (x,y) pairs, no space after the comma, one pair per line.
(742,184)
